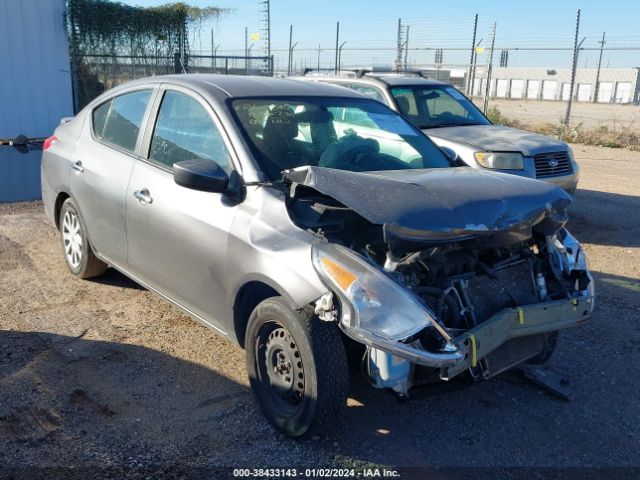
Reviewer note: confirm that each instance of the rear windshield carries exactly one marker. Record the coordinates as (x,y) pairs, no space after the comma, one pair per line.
(341,133)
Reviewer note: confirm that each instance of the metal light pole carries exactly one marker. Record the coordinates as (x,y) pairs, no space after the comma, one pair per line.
(318,57)
(248,61)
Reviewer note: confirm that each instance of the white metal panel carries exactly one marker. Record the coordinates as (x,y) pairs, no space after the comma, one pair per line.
(566,91)
(502,85)
(584,92)
(35,81)
(623,92)
(605,92)
(533,87)
(517,88)
(549,88)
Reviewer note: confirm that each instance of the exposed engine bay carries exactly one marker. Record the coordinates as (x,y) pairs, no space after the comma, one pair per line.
(465,279)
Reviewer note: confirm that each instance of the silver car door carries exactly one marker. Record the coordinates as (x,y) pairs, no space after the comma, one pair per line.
(102,163)
(177,238)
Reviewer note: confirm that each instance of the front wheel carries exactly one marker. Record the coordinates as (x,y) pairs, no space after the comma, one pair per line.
(297,368)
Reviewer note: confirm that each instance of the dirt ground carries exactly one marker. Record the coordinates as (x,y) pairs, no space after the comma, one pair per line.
(103,375)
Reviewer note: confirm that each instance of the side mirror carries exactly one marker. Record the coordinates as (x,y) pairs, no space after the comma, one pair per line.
(450,153)
(203,175)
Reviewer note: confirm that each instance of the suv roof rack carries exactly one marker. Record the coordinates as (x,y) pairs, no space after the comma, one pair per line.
(416,73)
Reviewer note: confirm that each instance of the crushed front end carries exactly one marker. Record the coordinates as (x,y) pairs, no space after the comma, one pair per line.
(431,302)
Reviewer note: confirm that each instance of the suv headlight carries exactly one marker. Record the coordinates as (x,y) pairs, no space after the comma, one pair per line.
(371,300)
(500,160)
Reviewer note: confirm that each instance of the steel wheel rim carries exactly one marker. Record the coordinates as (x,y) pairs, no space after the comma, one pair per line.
(280,369)
(72,238)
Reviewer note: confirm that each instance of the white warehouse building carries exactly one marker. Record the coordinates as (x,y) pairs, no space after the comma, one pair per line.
(617,85)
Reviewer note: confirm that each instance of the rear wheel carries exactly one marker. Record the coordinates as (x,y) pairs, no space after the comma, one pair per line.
(74,239)
(297,368)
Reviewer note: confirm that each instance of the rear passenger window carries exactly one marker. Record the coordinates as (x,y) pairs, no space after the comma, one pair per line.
(371,92)
(118,122)
(100,118)
(185,131)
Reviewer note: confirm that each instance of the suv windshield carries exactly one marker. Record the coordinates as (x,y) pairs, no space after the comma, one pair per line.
(437,106)
(342,133)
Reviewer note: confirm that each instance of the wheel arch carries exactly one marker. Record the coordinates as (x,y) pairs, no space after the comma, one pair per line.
(60,199)
(246,300)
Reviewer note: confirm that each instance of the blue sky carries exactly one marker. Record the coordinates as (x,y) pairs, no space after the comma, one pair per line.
(370,25)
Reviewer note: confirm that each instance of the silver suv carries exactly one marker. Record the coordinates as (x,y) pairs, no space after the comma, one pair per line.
(264,210)
(451,120)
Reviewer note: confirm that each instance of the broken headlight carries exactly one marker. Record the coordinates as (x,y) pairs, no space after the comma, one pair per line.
(371,300)
(500,160)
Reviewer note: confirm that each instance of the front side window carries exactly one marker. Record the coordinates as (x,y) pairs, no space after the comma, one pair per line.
(118,121)
(185,131)
(436,106)
(315,131)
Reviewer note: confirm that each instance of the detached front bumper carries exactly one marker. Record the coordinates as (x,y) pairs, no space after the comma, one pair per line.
(475,344)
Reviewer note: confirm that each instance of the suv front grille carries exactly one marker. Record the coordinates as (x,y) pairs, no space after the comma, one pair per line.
(552,164)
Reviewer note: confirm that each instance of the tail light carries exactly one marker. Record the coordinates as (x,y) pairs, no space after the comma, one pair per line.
(49,141)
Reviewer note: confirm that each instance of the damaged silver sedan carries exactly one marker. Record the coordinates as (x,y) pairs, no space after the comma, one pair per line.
(304,222)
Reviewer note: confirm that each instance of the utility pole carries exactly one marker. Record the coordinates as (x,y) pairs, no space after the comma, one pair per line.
(246,42)
(212,59)
(487,90)
(597,89)
(335,68)
(576,48)
(318,58)
(471,62)
(290,49)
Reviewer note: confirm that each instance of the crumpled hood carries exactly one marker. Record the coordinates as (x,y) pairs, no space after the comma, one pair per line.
(444,203)
(499,138)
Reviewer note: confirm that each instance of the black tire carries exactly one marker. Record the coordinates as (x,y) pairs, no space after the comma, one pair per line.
(280,341)
(89,265)
(550,342)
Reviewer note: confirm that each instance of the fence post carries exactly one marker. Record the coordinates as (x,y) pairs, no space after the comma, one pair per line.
(399,47)
(290,40)
(406,48)
(473,51)
(597,88)
(487,90)
(567,115)
(335,68)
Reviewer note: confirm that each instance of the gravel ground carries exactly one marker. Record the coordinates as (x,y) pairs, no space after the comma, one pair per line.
(105,374)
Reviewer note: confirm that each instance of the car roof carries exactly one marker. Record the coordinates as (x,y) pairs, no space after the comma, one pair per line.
(247,86)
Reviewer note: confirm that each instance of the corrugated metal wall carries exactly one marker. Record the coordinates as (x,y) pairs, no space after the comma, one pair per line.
(35,86)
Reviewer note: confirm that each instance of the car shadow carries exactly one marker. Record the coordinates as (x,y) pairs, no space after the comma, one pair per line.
(114,278)
(605,218)
(78,401)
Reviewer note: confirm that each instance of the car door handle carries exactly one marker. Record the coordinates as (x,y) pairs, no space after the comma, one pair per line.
(143,196)
(77,166)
